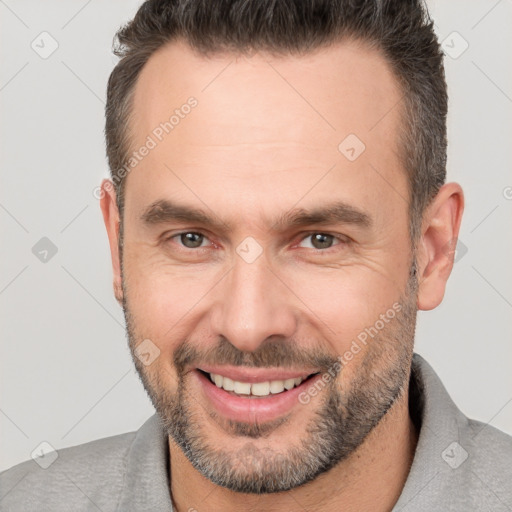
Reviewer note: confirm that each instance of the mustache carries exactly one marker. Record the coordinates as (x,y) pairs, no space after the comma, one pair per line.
(281,353)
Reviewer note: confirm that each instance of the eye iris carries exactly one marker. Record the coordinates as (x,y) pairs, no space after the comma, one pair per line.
(322,241)
(191,240)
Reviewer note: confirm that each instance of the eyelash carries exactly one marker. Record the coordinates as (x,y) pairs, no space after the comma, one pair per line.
(342,240)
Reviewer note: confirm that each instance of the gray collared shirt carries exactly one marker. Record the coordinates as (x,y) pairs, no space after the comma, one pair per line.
(459,465)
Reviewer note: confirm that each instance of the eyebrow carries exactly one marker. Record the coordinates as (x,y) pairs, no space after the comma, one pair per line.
(164,211)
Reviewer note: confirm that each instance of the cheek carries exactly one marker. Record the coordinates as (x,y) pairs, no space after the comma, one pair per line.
(343,302)
(163,299)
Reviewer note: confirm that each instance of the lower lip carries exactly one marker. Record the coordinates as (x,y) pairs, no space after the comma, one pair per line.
(252,409)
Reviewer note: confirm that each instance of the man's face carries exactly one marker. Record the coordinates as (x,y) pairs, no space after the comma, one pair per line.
(264,292)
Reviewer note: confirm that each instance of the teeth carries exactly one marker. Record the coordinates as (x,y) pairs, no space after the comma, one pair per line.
(260,388)
(242,388)
(289,383)
(228,384)
(276,386)
(257,388)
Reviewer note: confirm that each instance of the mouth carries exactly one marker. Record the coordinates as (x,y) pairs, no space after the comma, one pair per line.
(260,389)
(251,398)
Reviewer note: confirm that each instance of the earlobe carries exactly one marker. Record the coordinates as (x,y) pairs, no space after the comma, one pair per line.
(436,248)
(118,291)
(111,219)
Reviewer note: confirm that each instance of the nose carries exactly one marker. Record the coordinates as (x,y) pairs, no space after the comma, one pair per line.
(252,304)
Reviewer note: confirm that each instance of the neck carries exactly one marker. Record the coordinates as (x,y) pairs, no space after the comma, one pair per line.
(372,478)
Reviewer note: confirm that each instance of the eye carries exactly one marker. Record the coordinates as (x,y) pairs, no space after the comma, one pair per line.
(321,240)
(318,240)
(190,239)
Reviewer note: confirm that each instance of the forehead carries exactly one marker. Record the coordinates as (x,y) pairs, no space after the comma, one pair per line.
(346,85)
(266,122)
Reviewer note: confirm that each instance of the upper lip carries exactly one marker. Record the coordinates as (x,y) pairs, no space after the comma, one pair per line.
(251,375)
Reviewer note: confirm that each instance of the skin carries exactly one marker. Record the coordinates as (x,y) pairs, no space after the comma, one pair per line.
(262,141)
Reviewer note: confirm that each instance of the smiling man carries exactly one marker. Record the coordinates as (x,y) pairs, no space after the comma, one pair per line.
(277,215)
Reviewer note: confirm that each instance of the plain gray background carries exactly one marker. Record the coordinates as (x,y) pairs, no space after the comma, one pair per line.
(65,370)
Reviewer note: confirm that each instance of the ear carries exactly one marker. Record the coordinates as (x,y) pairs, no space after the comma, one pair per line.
(111,218)
(436,247)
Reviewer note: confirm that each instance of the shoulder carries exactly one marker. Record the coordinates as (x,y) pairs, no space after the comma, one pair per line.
(477,468)
(460,463)
(489,453)
(86,476)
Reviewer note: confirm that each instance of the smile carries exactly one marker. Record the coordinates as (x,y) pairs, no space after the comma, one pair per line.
(258,389)
(254,395)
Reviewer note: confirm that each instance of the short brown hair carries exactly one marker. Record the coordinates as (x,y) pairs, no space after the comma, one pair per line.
(401,30)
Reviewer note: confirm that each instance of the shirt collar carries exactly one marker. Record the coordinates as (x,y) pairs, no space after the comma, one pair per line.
(440,423)
(146,482)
